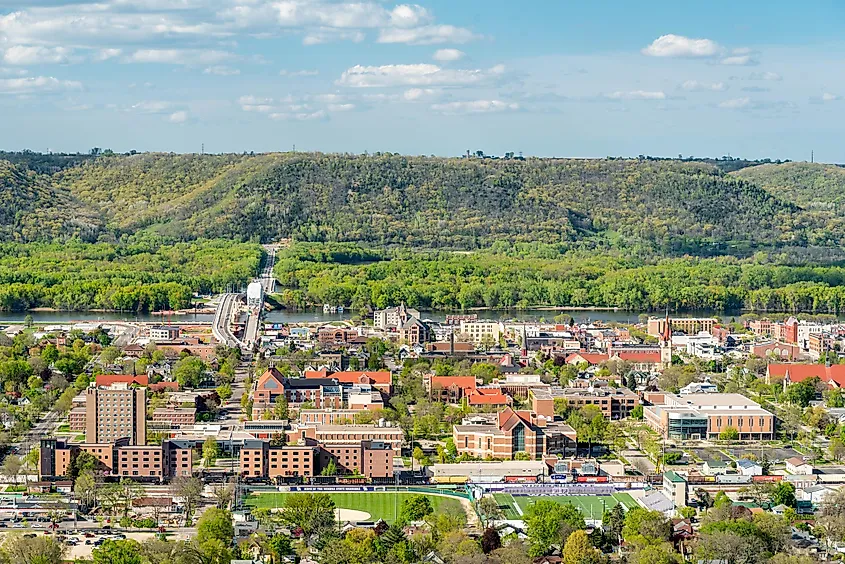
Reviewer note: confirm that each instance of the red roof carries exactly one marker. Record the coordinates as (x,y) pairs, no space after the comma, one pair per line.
(376,377)
(800,372)
(316,373)
(591,358)
(483,396)
(466,383)
(172,386)
(109,379)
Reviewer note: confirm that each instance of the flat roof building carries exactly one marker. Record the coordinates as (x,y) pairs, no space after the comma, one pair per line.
(114,413)
(705,416)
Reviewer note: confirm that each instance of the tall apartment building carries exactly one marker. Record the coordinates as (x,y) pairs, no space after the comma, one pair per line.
(116,412)
(393,318)
(150,462)
(480,332)
(688,325)
(371,459)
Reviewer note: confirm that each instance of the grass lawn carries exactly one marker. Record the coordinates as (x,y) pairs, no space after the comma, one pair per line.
(380,505)
(591,506)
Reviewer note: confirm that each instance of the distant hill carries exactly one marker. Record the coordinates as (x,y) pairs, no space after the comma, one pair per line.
(671,206)
(810,185)
(31,209)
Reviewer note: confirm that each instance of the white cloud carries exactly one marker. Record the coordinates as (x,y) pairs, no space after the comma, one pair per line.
(637,95)
(180,56)
(415,94)
(672,45)
(828,97)
(35,55)
(8,71)
(739,60)
(301,116)
(736,103)
(475,107)
(427,35)
(329,36)
(446,55)
(299,73)
(151,106)
(254,100)
(415,75)
(106,54)
(37,84)
(340,107)
(221,70)
(408,16)
(698,86)
(768,75)
(178,117)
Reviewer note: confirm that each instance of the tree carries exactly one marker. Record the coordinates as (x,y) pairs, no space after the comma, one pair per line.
(189,489)
(687,512)
(12,466)
(837,449)
(216,524)
(612,522)
(803,392)
(85,488)
(662,553)
(644,527)
(117,552)
(637,412)
(189,371)
(224,391)
(210,451)
(28,321)
(490,540)
(489,511)
(578,550)
(729,434)
(834,398)
(415,508)
(521,455)
(550,523)
(224,494)
(310,512)
(631,382)
(784,493)
(329,469)
(17,549)
(280,408)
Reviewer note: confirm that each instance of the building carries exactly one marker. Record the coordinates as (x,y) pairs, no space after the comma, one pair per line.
(614,403)
(267,428)
(675,488)
(833,375)
(705,387)
(334,435)
(370,459)
(414,331)
(449,389)
(380,379)
(164,333)
(392,318)
(482,332)
(782,351)
(115,412)
(336,335)
(714,467)
(149,462)
(328,416)
(747,467)
(700,416)
(255,294)
(176,417)
(589,358)
(504,434)
(106,380)
(799,466)
(688,325)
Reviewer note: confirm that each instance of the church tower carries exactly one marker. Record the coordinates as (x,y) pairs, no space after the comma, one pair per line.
(666,343)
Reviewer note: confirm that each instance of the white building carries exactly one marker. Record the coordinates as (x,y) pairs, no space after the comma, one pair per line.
(479,332)
(699,388)
(392,318)
(799,466)
(164,333)
(748,468)
(255,294)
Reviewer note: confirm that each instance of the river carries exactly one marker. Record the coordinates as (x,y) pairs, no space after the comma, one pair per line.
(316,315)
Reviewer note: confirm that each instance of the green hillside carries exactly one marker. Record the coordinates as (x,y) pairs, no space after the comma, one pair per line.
(31,209)
(812,186)
(670,207)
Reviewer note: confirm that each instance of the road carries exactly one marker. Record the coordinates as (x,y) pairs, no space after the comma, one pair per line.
(268,281)
(220,327)
(43,429)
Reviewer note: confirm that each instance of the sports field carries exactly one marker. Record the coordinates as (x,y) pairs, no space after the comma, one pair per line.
(591,506)
(377,505)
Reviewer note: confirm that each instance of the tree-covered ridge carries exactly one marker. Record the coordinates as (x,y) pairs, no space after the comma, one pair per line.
(32,210)
(813,186)
(317,274)
(127,277)
(673,206)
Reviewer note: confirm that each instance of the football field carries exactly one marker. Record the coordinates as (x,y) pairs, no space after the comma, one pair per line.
(591,506)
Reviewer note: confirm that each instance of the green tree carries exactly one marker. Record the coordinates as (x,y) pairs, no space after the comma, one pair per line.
(803,392)
(729,434)
(578,550)
(189,371)
(17,549)
(310,512)
(415,508)
(784,493)
(117,552)
(644,527)
(215,524)
(550,523)
(210,450)
(329,469)
(662,553)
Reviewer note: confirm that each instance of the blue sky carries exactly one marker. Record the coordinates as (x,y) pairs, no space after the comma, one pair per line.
(549,78)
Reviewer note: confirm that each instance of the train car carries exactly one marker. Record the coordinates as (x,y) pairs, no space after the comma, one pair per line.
(520,479)
(449,480)
(592,479)
(766,478)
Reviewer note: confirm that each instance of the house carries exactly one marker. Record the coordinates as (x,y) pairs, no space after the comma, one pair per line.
(591,359)
(748,468)
(450,389)
(699,388)
(813,494)
(799,466)
(714,467)
(488,397)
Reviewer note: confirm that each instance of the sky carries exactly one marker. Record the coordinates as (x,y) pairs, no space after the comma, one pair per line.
(562,78)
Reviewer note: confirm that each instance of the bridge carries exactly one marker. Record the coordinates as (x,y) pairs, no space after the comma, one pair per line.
(221,326)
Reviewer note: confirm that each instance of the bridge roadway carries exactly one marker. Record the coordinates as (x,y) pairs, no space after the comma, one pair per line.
(222,319)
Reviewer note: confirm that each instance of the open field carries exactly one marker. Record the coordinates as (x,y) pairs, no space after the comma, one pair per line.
(378,505)
(591,506)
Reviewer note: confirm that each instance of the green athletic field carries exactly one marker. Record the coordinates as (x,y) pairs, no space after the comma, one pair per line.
(380,505)
(591,506)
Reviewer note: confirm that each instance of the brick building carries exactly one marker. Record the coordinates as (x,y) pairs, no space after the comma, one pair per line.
(704,416)
(175,416)
(509,432)
(151,462)
(115,412)
(614,403)
(370,459)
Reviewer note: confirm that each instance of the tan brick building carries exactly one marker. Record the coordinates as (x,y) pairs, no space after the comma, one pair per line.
(371,459)
(176,417)
(114,413)
(504,434)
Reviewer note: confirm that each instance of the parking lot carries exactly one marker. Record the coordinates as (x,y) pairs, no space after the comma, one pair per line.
(771,453)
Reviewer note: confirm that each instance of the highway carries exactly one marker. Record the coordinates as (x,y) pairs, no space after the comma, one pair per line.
(220,327)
